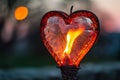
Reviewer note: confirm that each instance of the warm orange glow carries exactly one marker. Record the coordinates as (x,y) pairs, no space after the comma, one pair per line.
(71,36)
(86,49)
(68,38)
(21,13)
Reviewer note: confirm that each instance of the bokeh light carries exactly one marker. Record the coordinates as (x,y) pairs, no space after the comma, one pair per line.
(21,13)
(22,51)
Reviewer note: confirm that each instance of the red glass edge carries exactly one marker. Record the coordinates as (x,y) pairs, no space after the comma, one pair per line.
(67,19)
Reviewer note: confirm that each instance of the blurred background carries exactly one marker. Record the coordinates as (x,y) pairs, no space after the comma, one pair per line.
(23,56)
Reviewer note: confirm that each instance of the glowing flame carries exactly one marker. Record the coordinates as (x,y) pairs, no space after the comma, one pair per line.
(71,36)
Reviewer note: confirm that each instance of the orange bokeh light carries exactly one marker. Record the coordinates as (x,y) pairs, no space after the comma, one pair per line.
(21,13)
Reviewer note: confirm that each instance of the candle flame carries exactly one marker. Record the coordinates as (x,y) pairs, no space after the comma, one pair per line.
(71,36)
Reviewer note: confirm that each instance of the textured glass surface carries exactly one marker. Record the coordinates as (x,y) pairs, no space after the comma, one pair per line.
(56,34)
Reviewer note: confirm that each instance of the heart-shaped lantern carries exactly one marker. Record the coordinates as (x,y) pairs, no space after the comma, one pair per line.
(68,38)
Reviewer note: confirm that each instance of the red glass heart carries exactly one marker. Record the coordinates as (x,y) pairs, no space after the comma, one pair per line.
(68,38)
